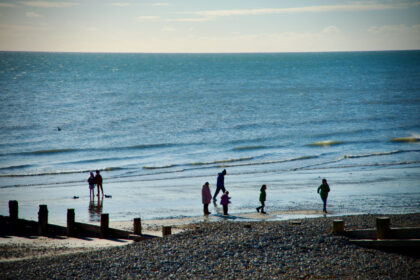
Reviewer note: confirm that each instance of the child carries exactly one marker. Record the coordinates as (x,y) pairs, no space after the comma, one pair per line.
(91,182)
(225,201)
(262,199)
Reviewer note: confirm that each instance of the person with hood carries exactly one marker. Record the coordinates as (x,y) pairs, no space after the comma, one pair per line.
(323,190)
(206,197)
(220,183)
(262,199)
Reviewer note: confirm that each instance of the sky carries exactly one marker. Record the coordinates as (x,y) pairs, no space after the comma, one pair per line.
(196,26)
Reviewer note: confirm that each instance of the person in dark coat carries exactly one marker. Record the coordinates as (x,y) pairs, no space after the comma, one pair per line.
(262,199)
(323,190)
(220,184)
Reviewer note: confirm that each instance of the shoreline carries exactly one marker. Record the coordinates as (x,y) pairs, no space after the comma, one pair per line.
(18,248)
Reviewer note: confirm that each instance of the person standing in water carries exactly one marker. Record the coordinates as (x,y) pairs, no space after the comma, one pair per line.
(220,183)
(323,190)
(262,199)
(91,182)
(98,182)
(206,197)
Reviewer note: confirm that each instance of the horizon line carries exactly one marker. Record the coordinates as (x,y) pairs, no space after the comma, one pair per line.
(244,52)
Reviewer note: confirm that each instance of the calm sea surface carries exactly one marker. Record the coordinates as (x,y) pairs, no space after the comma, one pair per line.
(160,125)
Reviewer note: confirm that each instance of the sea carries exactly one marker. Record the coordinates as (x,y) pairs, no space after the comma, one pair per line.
(158,126)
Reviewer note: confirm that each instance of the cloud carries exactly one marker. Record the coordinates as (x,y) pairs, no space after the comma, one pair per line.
(32,15)
(121,4)
(50,4)
(7,5)
(330,30)
(308,9)
(196,19)
(168,29)
(147,18)
(160,4)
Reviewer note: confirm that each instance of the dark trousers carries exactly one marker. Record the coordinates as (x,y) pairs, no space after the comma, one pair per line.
(225,209)
(325,204)
(218,190)
(206,209)
(262,206)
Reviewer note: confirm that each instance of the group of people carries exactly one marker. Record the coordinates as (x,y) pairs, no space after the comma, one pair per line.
(323,190)
(95,180)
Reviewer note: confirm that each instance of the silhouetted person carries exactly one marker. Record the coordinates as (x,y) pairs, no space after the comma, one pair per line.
(91,182)
(224,200)
(323,190)
(262,199)
(220,184)
(206,197)
(98,182)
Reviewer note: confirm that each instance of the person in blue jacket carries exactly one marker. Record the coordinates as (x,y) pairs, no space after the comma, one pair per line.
(220,184)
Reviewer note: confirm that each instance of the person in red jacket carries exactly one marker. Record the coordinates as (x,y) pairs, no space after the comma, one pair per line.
(206,197)
(225,201)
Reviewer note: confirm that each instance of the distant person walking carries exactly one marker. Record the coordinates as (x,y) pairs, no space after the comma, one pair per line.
(91,182)
(220,183)
(262,199)
(323,190)
(98,182)
(224,200)
(206,197)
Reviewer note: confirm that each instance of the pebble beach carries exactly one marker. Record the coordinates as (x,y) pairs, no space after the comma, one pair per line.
(297,249)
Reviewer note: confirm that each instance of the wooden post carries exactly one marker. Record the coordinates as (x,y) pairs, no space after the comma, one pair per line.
(70,222)
(167,230)
(137,226)
(43,220)
(13,210)
(338,226)
(13,214)
(383,227)
(104,225)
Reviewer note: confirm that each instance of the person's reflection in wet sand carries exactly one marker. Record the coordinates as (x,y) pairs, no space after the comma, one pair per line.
(95,209)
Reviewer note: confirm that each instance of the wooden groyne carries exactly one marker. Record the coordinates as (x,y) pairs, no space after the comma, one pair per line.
(12,225)
(383,236)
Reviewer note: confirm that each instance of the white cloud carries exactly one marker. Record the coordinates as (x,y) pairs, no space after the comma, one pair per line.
(168,29)
(308,9)
(196,19)
(7,5)
(330,30)
(147,18)
(32,15)
(121,4)
(160,4)
(50,4)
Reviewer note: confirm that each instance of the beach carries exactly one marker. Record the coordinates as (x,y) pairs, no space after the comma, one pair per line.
(228,249)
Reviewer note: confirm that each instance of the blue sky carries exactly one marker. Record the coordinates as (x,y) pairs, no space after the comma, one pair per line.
(209,26)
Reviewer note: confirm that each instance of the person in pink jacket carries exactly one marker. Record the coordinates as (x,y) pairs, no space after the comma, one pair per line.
(206,197)
(225,201)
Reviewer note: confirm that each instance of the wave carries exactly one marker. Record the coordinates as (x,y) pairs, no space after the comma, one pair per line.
(270,161)
(256,147)
(59,172)
(160,167)
(16,167)
(220,161)
(52,151)
(378,154)
(411,139)
(326,143)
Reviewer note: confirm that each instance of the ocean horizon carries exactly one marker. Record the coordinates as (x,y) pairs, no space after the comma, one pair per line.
(158,126)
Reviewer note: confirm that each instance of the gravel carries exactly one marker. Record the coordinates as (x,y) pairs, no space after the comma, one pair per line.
(232,250)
